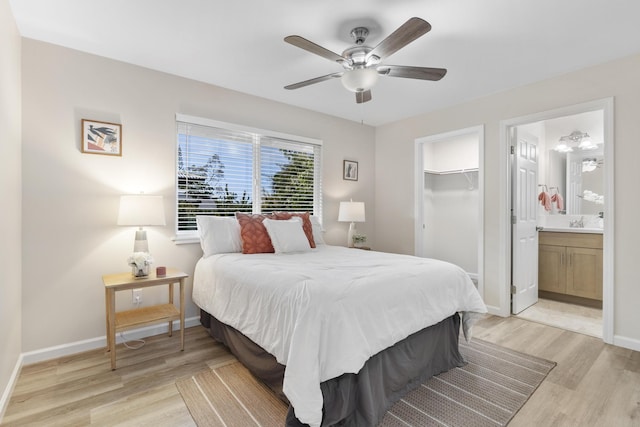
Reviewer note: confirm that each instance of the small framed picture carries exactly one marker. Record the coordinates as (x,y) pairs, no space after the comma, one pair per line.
(350,170)
(101,138)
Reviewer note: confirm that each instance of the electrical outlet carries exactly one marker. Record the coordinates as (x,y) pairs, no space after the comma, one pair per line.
(136,296)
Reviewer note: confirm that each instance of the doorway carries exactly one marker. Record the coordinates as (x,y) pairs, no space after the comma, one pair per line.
(449,199)
(508,130)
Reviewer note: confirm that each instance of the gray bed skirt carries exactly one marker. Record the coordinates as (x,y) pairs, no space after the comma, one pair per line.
(357,399)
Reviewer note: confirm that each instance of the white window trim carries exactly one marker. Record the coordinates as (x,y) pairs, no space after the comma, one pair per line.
(240,128)
(190,237)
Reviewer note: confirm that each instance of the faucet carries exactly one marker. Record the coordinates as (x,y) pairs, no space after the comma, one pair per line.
(577,223)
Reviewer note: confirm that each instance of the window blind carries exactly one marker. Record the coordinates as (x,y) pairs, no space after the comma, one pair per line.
(223,169)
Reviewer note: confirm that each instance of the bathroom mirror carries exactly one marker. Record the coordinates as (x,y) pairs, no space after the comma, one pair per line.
(577,175)
(579,178)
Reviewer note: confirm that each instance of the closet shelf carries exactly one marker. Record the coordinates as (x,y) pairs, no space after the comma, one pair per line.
(449,172)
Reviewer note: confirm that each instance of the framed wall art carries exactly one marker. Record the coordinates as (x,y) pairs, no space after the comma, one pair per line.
(350,170)
(101,138)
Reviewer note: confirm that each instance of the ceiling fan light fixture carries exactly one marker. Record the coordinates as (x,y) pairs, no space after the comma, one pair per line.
(359,79)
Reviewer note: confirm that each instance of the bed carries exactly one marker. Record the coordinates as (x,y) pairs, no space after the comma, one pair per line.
(344,332)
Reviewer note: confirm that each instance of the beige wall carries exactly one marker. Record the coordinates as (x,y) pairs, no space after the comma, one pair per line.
(395,159)
(10,195)
(71,199)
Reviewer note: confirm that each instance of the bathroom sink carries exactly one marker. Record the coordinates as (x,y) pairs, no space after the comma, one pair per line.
(562,223)
(573,230)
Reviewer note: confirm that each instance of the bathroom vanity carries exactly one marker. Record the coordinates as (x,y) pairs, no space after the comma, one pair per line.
(570,266)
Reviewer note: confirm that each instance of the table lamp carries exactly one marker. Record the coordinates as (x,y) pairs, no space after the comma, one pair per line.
(140,210)
(351,212)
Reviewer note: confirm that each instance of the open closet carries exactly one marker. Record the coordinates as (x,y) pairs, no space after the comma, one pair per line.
(450,200)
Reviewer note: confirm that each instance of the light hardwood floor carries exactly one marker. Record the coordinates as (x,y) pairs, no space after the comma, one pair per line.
(573,317)
(594,384)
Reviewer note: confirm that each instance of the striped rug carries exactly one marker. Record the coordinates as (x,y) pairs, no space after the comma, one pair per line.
(488,391)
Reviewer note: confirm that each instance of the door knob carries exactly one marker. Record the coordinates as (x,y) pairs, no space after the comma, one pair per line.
(538,228)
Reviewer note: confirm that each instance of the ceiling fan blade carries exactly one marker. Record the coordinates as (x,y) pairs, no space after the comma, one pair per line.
(313,81)
(310,46)
(421,73)
(405,34)
(364,96)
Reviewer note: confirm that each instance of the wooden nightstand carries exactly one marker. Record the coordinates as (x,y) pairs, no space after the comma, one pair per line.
(142,316)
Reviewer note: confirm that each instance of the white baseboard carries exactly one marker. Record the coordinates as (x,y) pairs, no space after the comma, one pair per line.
(496,311)
(79,347)
(631,344)
(6,395)
(99,342)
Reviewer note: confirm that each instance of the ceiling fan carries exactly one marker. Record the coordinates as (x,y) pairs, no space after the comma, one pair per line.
(362,64)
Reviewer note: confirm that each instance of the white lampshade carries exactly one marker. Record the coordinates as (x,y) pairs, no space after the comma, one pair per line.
(360,79)
(139,210)
(351,212)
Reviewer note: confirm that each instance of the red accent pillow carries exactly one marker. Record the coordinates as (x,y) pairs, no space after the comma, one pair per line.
(255,239)
(306,223)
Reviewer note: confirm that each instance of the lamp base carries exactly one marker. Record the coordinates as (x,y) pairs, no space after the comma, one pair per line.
(141,244)
(352,231)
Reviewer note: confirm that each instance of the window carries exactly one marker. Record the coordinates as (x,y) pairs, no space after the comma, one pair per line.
(224,168)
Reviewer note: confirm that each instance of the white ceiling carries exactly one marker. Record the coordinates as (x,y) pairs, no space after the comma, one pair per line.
(487,46)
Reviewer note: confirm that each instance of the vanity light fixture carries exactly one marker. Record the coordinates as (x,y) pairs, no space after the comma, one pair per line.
(578,139)
(563,147)
(586,143)
(589,165)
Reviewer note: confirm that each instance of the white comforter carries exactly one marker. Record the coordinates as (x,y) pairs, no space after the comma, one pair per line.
(325,312)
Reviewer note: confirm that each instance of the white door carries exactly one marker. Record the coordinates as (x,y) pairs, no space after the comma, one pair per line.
(524,205)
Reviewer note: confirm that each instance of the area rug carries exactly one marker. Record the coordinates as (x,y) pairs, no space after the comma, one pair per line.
(488,391)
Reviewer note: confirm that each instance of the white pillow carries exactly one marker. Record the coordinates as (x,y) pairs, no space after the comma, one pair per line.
(287,235)
(218,234)
(317,230)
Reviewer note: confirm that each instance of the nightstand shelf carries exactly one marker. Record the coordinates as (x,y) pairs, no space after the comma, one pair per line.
(142,316)
(146,316)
